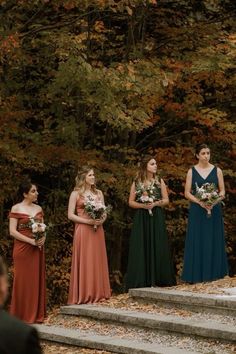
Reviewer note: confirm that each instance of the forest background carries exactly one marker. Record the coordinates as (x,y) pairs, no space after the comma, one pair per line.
(104,82)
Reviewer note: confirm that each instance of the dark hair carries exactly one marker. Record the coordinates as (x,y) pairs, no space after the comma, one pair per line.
(3,268)
(142,173)
(24,188)
(199,147)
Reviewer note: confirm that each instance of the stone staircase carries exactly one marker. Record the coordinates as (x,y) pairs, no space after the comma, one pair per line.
(179,322)
(222,304)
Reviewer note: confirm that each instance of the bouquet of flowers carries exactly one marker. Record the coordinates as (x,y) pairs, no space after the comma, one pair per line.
(95,209)
(147,194)
(208,194)
(38,228)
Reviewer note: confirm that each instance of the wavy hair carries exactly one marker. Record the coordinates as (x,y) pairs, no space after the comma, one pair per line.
(3,267)
(80,180)
(142,173)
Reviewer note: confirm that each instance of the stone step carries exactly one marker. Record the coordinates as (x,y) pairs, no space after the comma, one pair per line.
(171,324)
(218,303)
(100,342)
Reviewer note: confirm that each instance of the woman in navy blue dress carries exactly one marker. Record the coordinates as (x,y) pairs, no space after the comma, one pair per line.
(204,256)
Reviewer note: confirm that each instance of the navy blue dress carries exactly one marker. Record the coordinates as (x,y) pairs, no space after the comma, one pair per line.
(204,256)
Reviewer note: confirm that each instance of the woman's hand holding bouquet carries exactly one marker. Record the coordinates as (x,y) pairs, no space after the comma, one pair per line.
(148,195)
(96,210)
(208,196)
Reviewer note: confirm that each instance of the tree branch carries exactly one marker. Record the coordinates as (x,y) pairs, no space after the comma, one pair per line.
(30,20)
(56,25)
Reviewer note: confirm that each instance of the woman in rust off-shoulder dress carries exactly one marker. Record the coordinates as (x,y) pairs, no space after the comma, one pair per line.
(89,281)
(28,292)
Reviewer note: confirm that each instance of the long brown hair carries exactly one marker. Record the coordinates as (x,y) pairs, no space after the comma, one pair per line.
(80,180)
(3,267)
(142,173)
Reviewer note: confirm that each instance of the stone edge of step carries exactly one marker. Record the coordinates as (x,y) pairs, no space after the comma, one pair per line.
(185,298)
(100,342)
(203,328)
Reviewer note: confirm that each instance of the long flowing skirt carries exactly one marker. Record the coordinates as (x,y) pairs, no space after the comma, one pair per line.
(149,262)
(89,281)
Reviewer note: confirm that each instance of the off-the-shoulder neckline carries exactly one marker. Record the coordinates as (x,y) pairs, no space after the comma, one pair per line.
(15,212)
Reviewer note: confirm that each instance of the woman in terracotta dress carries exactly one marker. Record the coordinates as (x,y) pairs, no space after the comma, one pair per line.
(89,280)
(28,292)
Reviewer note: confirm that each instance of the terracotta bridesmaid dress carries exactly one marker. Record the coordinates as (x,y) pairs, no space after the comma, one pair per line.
(89,281)
(29,291)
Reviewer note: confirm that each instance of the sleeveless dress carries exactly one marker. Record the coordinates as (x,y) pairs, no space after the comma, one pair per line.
(204,256)
(149,261)
(28,300)
(89,280)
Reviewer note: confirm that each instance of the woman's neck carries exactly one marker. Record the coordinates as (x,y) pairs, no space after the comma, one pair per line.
(88,189)
(149,176)
(203,165)
(27,203)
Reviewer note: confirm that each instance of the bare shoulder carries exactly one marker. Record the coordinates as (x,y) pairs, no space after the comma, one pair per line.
(37,207)
(219,171)
(73,197)
(74,194)
(133,186)
(189,173)
(189,176)
(16,208)
(99,192)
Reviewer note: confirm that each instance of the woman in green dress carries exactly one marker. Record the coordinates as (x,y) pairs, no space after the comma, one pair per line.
(149,262)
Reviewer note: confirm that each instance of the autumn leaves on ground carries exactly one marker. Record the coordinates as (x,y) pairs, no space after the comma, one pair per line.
(125,302)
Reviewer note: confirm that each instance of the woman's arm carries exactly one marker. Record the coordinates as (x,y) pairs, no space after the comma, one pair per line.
(164,196)
(71,211)
(187,192)
(13,222)
(134,204)
(188,187)
(17,235)
(221,183)
(104,216)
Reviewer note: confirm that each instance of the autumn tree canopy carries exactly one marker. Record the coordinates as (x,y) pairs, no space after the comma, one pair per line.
(105,82)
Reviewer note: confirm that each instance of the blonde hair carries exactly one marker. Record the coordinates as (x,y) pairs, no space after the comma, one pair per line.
(80,183)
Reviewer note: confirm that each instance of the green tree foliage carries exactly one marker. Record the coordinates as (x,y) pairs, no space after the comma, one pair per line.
(104,82)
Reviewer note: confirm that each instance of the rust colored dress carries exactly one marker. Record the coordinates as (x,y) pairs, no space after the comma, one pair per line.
(28,300)
(89,280)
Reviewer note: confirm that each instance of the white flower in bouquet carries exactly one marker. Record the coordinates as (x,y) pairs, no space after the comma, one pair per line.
(147,194)
(38,228)
(146,199)
(208,195)
(34,227)
(95,209)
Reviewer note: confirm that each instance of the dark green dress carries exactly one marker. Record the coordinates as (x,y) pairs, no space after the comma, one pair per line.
(204,255)
(149,262)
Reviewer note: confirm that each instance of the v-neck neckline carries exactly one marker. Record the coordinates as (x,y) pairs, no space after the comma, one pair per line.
(201,175)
